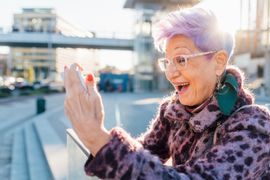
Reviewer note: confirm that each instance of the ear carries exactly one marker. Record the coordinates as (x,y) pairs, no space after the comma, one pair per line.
(221,58)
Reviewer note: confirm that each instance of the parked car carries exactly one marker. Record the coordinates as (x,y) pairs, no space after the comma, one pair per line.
(56,86)
(1,81)
(5,91)
(23,87)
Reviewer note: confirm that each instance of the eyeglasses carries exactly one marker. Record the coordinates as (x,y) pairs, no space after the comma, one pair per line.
(181,61)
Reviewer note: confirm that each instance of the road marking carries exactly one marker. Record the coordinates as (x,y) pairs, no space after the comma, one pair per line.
(148,101)
(117,116)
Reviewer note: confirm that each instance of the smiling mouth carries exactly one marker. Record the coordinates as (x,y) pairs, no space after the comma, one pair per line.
(182,88)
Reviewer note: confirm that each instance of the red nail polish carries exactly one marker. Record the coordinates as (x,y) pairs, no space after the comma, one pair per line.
(90,77)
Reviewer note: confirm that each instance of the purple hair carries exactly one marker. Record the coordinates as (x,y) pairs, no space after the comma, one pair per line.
(197,23)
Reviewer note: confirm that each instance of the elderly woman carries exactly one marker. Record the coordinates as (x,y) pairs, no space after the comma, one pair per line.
(210,126)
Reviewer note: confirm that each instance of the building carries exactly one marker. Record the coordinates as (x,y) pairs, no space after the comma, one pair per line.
(47,63)
(252,52)
(147,76)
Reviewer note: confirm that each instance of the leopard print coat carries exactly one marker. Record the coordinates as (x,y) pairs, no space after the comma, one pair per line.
(206,145)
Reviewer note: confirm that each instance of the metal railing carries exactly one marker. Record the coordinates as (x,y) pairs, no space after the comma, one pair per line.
(77,156)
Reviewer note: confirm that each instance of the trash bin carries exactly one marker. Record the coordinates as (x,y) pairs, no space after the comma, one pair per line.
(41,105)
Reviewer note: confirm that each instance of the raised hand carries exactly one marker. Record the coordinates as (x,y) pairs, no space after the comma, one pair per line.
(84,109)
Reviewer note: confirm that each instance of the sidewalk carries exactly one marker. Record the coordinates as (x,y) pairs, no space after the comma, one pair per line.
(12,99)
(262,99)
(22,98)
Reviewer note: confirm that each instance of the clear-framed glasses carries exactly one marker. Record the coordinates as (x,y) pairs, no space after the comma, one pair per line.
(180,61)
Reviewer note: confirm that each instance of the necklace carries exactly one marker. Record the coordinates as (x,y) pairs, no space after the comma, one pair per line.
(196,109)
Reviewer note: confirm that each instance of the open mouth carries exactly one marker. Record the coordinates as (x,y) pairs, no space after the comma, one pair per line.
(182,88)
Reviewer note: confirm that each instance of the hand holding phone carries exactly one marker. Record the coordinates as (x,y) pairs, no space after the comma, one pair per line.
(85,109)
(78,72)
(81,79)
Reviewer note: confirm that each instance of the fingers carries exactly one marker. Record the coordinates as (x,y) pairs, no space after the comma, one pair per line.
(90,84)
(72,79)
(73,74)
(92,91)
(76,66)
(77,100)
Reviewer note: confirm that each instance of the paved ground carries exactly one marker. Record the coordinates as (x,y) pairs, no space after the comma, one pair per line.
(132,111)
(14,114)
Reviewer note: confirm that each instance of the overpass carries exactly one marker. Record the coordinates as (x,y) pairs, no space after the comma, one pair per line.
(34,39)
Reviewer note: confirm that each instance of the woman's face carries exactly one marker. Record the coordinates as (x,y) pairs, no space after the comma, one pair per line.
(197,81)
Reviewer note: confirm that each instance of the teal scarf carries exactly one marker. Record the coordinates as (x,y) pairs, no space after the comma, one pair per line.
(227,94)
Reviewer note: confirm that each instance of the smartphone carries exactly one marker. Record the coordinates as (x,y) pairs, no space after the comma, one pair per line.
(79,75)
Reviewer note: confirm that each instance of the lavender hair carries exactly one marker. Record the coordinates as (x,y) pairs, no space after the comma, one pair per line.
(199,24)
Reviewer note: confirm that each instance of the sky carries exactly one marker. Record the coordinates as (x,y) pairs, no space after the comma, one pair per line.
(103,16)
(90,14)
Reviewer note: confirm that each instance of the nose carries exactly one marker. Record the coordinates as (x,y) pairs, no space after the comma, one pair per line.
(172,72)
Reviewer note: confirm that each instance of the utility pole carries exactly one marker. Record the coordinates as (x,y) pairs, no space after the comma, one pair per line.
(50,52)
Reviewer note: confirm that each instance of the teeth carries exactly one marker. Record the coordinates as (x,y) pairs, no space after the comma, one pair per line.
(184,84)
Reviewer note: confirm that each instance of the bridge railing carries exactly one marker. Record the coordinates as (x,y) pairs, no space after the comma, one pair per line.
(99,34)
(114,35)
(35,39)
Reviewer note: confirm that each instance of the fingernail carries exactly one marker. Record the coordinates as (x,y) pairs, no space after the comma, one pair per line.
(65,67)
(90,77)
